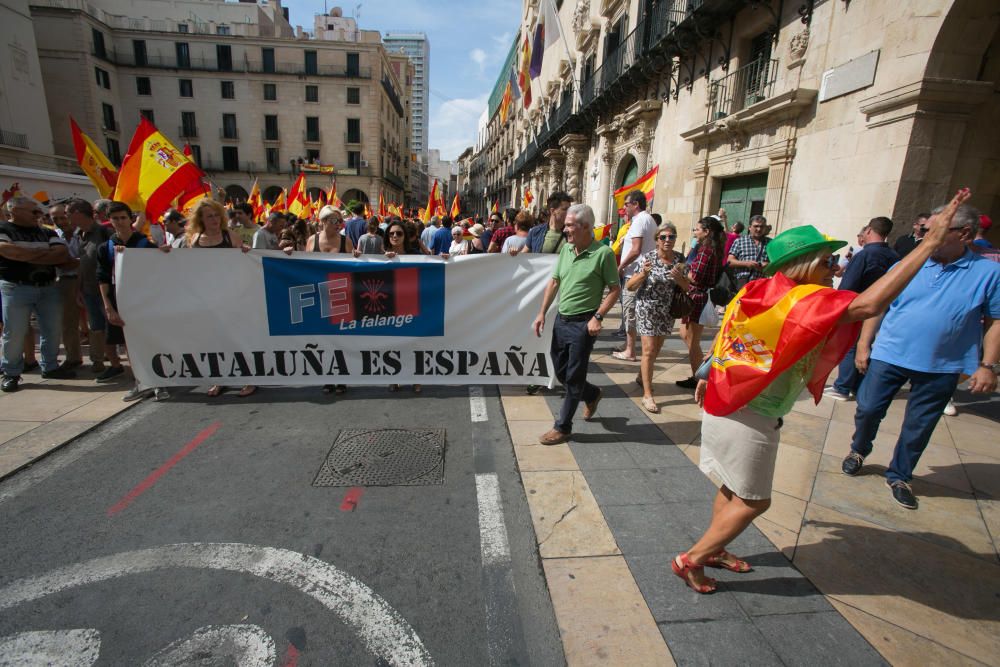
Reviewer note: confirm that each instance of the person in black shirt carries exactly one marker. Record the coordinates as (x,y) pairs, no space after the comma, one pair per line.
(904,244)
(29,255)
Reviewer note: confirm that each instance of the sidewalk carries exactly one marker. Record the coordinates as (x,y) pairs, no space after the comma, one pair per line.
(47,414)
(842,574)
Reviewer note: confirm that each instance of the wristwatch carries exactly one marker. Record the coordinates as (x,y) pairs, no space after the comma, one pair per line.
(598,317)
(993,367)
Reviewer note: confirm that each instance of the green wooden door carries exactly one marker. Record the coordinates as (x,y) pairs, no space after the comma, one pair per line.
(743,196)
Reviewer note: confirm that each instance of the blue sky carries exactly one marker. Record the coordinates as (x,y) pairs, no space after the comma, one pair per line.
(469,41)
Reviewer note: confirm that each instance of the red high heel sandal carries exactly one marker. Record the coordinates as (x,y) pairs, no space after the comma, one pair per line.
(735,565)
(687,567)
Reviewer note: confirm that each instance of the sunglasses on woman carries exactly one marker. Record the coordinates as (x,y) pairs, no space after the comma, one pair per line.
(395,233)
(668,237)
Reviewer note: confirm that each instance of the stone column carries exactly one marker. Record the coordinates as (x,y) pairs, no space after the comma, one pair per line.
(607,153)
(780,158)
(557,162)
(574,147)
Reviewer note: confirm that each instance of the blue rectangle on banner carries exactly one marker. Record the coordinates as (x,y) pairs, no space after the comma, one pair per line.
(310,297)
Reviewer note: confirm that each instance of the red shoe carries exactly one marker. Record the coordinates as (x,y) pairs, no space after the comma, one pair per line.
(687,567)
(726,561)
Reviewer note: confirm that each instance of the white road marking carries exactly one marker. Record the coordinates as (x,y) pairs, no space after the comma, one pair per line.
(492,530)
(379,627)
(24,480)
(245,645)
(478,404)
(59,648)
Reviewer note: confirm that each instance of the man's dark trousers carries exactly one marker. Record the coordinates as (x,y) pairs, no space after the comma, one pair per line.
(571,347)
(929,393)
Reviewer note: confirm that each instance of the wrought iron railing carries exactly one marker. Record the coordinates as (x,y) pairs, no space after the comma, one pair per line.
(752,83)
(13,139)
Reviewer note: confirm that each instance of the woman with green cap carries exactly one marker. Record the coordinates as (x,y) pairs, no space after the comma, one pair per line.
(778,336)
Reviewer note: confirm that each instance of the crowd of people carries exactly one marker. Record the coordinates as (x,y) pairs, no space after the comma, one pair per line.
(57,265)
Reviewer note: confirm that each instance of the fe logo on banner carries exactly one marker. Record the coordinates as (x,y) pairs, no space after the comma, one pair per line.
(309,297)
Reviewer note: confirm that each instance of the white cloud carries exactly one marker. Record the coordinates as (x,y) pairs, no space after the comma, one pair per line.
(454,123)
(479,57)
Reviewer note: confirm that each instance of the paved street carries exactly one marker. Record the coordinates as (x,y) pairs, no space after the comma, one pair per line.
(329,575)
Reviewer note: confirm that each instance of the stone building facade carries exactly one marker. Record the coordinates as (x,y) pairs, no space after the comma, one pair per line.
(253,96)
(817,112)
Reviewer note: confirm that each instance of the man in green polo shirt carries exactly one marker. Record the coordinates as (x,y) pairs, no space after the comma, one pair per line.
(584,269)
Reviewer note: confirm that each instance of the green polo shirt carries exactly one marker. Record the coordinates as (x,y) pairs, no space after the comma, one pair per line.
(582,277)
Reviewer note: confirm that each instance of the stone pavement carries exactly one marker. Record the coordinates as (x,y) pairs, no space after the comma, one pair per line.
(47,414)
(842,574)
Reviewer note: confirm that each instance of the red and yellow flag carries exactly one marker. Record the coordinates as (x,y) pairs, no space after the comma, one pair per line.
(505,102)
(768,327)
(431,211)
(368,211)
(298,198)
(496,207)
(646,183)
(394,209)
(524,77)
(528,197)
(255,201)
(94,163)
(154,172)
(422,215)
(456,208)
(382,211)
(278,206)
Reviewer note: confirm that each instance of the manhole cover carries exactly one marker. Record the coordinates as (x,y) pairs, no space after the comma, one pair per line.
(384,457)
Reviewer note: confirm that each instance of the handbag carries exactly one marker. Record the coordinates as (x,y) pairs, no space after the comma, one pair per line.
(681,304)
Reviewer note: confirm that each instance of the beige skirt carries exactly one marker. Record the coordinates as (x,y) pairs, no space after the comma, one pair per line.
(740,450)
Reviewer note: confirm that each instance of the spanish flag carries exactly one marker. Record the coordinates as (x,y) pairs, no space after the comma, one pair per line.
(601,232)
(298,198)
(456,209)
(382,213)
(255,201)
(435,203)
(278,205)
(154,172)
(524,76)
(768,327)
(94,163)
(646,183)
(368,211)
(332,197)
(496,207)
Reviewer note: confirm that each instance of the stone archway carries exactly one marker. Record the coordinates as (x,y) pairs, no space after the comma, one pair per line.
(354,193)
(236,194)
(627,171)
(271,193)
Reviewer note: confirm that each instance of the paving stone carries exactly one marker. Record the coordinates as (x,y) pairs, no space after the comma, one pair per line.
(773,587)
(644,529)
(665,454)
(823,638)
(601,455)
(719,642)
(680,484)
(622,487)
(669,599)
(567,520)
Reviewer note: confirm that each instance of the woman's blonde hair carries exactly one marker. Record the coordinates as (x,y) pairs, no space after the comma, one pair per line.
(800,268)
(328,211)
(196,226)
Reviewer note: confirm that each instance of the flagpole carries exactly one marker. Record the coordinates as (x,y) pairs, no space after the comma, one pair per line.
(562,37)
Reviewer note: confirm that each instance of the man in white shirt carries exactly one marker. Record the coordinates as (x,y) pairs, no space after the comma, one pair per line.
(427,236)
(640,239)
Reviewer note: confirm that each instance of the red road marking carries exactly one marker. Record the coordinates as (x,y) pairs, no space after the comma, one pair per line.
(291,656)
(351,499)
(145,484)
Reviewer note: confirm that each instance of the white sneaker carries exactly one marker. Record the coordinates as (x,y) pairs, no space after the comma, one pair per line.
(950,410)
(836,395)
(136,393)
(161,394)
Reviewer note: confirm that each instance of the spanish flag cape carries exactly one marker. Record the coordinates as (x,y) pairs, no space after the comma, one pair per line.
(768,327)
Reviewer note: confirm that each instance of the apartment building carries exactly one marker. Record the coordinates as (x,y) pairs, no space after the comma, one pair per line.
(823,113)
(417,48)
(251,95)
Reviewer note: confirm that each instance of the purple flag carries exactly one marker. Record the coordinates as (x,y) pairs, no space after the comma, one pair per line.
(537,49)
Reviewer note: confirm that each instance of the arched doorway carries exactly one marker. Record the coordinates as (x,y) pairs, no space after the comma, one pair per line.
(629,171)
(271,193)
(355,194)
(236,194)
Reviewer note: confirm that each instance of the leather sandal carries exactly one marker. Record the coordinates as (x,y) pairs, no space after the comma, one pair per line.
(649,405)
(727,561)
(685,568)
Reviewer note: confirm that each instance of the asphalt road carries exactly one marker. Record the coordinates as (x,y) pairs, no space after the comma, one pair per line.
(190,532)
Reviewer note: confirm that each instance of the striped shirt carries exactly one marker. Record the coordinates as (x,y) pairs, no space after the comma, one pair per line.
(28,237)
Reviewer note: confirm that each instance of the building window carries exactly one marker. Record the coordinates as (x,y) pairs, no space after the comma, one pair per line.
(228,90)
(195,154)
(353,64)
(354,96)
(188,126)
(229,126)
(182,27)
(353,159)
(142,86)
(271,155)
(270,128)
(186,88)
(230,158)
(108,116)
(222,30)
(310,63)
(103,80)
(224,57)
(270,92)
(148,115)
(312,155)
(139,52)
(354,130)
(99,49)
(267,54)
(114,151)
(312,93)
(312,128)
(183,55)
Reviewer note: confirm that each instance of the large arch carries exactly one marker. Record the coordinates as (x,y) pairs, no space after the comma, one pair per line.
(627,171)
(354,193)
(271,193)
(236,193)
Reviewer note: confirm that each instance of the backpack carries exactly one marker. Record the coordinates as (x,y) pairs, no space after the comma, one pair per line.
(725,288)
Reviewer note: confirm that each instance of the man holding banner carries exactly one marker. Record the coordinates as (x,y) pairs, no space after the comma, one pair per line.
(584,269)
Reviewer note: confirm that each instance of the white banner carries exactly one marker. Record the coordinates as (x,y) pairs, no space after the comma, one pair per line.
(214,316)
